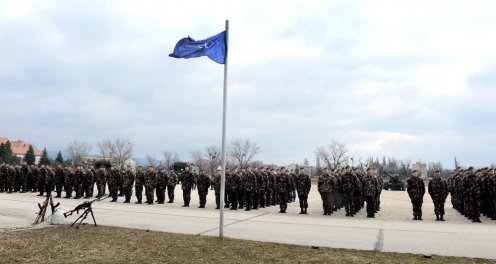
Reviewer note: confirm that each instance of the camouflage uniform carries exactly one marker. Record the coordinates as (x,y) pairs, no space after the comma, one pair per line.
(325,186)
(234,186)
(59,181)
(349,183)
(127,184)
(171,185)
(138,184)
(88,180)
(216,181)
(101,181)
(2,178)
(187,183)
(203,184)
(160,185)
(283,187)
(416,190)
(473,193)
(68,182)
(113,183)
(149,184)
(303,185)
(438,190)
(249,186)
(369,185)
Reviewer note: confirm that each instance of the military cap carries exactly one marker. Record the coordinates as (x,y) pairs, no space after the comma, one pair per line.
(437,170)
(470,168)
(415,171)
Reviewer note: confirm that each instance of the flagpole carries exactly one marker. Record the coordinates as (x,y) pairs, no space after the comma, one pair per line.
(223,166)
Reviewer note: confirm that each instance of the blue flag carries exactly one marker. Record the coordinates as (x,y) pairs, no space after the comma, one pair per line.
(213,47)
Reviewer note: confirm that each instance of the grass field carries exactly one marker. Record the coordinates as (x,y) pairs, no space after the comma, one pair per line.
(63,244)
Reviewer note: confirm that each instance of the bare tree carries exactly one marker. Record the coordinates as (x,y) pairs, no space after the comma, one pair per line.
(78,150)
(104,147)
(197,159)
(333,154)
(170,159)
(152,161)
(121,150)
(243,151)
(213,154)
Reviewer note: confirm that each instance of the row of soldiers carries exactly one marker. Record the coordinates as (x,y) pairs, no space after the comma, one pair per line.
(473,192)
(350,188)
(252,188)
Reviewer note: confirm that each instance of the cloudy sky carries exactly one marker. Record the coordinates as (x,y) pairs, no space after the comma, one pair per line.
(409,79)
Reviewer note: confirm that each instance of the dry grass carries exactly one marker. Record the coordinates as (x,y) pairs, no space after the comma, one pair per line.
(64,244)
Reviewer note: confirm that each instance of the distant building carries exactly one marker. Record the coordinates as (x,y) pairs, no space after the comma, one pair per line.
(422,168)
(20,148)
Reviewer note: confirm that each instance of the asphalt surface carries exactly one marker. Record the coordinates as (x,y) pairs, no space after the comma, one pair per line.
(391,231)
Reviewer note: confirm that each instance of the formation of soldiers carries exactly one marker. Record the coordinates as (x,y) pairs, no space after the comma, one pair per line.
(473,192)
(350,188)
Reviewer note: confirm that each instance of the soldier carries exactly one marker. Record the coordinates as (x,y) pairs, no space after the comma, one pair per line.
(138,184)
(33,181)
(41,180)
(240,188)
(149,184)
(127,183)
(227,192)
(171,185)
(101,181)
(49,180)
(380,185)
(438,190)
(264,187)
(88,180)
(284,187)
(113,178)
(203,184)
(161,184)
(258,190)
(68,182)
(473,193)
(187,183)
(78,182)
(216,181)
(292,185)
(416,190)
(249,187)
(234,188)
(303,185)
(2,177)
(324,187)
(349,184)
(59,180)
(370,183)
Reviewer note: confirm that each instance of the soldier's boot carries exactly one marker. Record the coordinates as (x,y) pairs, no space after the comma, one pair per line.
(126,201)
(476,220)
(419,217)
(437,217)
(139,202)
(301,211)
(305,212)
(441,218)
(226,206)
(415,217)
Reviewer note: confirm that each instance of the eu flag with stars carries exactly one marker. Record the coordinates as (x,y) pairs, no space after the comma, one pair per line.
(213,47)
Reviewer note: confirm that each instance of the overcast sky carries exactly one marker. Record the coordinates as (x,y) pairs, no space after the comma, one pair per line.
(413,80)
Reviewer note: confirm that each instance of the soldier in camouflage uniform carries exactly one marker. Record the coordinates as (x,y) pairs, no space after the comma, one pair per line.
(127,183)
(349,183)
(324,187)
(113,178)
(370,189)
(59,180)
(78,182)
(492,195)
(249,187)
(68,182)
(270,187)
(438,190)
(88,179)
(257,192)
(227,193)
(216,181)
(416,190)
(284,188)
(292,186)
(2,178)
(25,173)
(264,189)
(171,185)
(187,183)
(241,190)
(380,185)
(473,192)
(101,181)
(234,187)
(138,185)
(149,184)
(203,183)
(303,186)
(33,181)
(40,185)
(161,184)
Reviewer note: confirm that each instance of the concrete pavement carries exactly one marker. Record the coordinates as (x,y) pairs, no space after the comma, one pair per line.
(391,231)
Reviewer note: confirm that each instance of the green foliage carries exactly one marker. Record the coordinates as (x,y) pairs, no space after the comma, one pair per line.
(30,158)
(44,160)
(59,159)
(6,155)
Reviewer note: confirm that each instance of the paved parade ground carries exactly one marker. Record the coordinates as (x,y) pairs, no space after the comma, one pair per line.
(391,231)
